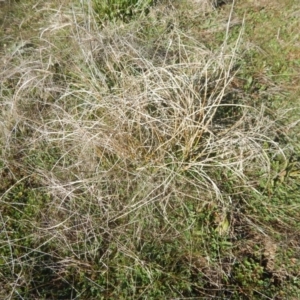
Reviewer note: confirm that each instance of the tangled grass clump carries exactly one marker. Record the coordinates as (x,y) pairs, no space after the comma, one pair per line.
(128,166)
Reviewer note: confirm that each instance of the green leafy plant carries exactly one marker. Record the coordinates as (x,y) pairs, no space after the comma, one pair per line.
(124,10)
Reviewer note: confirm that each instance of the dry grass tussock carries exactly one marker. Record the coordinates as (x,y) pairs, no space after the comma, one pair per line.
(126,134)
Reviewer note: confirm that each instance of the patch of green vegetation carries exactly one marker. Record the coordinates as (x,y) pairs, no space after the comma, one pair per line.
(124,10)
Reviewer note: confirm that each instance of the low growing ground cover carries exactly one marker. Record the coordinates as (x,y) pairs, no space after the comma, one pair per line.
(149,151)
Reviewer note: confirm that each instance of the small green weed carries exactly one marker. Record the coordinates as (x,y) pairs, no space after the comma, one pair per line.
(124,10)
